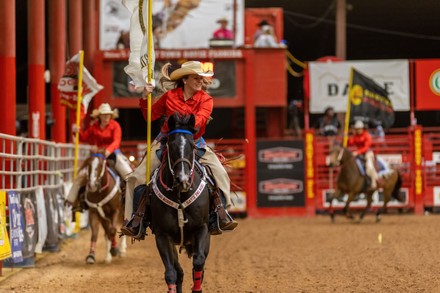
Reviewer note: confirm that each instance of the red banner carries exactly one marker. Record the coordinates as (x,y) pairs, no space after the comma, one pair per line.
(428,84)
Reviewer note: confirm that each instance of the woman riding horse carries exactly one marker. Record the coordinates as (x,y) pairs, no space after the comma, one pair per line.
(186,97)
(362,141)
(105,133)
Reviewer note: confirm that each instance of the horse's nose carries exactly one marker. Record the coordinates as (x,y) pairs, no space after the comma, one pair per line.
(183,183)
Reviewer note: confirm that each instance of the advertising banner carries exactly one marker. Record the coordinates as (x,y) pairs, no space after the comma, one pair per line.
(176,23)
(280,174)
(369,101)
(427,84)
(41,218)
(16,222)
(329,82)
(5,246)
(28,203)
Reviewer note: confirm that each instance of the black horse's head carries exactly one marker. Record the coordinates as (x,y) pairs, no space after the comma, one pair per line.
(181,150)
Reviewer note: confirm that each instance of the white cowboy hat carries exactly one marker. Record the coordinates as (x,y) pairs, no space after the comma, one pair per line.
(359,124)
(190,67)
(104,108)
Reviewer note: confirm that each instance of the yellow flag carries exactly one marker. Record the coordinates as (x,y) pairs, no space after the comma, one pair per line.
(5,246)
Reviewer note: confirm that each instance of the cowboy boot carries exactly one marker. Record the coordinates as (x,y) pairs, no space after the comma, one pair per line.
(220,220)
(140,220)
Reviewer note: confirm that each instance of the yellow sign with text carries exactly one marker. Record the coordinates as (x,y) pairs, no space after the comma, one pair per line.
(5,246)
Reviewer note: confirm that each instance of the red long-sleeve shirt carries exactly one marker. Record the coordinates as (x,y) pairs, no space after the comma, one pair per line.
(108,138)
(362,142)
(200,104)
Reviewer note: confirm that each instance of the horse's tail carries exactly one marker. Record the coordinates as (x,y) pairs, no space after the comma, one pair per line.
(396,190)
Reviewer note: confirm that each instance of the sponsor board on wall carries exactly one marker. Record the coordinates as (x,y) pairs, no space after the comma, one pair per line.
(280,174)
(177,23)
(427,84)
(329,82)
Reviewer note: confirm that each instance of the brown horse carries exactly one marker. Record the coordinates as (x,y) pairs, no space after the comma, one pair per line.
(350,181)
(103,198)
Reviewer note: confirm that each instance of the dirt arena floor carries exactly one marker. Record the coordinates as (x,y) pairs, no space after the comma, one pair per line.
(263,255)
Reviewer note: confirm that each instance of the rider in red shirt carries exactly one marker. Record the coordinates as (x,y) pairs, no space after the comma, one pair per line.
(105,134)
(187,96)
(362,141)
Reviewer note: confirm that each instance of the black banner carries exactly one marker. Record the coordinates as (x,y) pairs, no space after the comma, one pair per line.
(369,101)
(223,82)
(280,174)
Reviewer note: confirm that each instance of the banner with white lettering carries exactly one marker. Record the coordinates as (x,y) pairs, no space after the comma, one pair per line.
(16,230)
(280,173)
(329,82)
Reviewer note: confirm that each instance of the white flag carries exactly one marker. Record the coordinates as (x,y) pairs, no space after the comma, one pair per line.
(137,67)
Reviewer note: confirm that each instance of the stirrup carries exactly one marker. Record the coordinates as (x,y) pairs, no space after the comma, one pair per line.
(215,227)
(141,233)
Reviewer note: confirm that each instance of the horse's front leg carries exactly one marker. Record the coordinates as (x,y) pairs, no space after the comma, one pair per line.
(346,209)
(331,211)
(201,244)
(94,225)
(168,254)
(369,200)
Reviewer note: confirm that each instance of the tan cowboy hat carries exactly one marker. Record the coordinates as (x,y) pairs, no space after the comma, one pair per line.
(359,124)
(223,19)
(105,108)
(190,67)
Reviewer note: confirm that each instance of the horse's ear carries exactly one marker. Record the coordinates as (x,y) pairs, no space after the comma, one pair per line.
(172,122)
(192,121)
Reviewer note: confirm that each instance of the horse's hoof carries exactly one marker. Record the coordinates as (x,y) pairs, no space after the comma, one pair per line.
(114,251)
(123,254)
(90,259)
(378,219)
(332,217)
(108,260)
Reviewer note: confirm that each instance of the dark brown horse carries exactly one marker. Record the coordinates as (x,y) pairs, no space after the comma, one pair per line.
(350,181)
(103,197)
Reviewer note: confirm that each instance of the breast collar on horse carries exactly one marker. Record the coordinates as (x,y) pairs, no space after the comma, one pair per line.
(98,206)
(177,205)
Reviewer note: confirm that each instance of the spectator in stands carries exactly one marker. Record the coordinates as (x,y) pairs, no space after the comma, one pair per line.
(104,135)
(328,125)
(265,36)
(223,33)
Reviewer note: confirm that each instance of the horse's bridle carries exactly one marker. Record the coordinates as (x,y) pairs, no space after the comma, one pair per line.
(172,165)
(99,178)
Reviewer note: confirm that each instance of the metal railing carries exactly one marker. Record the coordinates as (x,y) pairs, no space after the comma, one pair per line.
(27,163)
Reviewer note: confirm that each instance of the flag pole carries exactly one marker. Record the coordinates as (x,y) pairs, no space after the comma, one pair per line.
(347,114)
(78,111)
(149,78)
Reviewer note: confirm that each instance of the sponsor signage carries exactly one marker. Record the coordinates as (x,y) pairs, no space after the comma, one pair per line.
(427,84)
(329,82)
(280,174)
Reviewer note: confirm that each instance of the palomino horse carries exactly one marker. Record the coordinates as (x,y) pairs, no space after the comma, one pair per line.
(180,205)
(103,197)
(350,181)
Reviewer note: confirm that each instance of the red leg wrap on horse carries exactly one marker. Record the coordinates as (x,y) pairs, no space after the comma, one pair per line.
(172,289)
(198,278)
